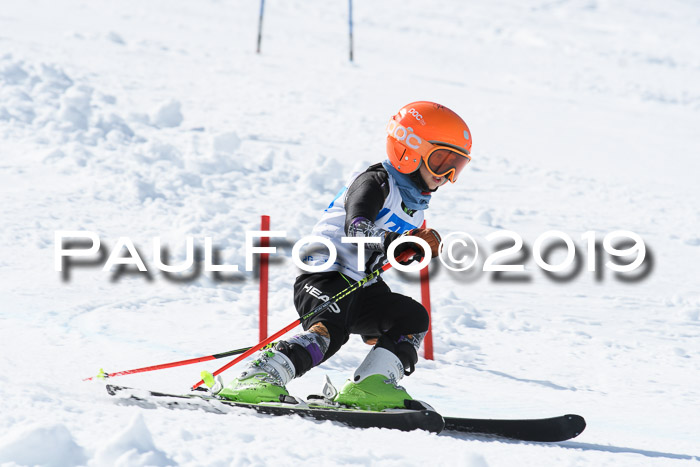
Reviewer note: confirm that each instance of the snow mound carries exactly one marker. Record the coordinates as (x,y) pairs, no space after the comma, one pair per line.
(317,178)
(462,315)
(75,107)
(132,446)
(51,445)
(42,101)
(485,217)
(226,143)
(692,240)
(168,115)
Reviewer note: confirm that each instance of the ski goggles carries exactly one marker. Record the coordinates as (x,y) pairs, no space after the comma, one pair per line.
(445,162)
(441,159)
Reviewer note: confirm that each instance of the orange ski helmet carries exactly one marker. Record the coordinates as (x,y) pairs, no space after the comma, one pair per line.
(431,133)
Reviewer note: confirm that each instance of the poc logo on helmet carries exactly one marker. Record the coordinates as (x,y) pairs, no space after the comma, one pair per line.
(401,133)
(417,115)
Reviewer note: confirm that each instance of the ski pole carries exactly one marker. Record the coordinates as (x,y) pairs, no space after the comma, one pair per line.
(103,374)
(316,311)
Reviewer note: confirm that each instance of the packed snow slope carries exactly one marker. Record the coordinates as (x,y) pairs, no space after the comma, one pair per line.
(158,119)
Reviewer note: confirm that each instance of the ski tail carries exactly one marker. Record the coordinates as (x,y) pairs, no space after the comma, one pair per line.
(543,429)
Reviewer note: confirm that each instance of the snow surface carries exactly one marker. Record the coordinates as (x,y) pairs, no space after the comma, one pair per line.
(147,119)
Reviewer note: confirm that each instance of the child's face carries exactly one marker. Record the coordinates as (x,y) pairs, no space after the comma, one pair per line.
(431,180)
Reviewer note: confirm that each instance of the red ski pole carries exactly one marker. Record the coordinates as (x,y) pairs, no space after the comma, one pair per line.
(103,374)
(316,311)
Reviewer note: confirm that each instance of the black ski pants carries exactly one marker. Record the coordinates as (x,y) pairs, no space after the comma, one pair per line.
(371,311)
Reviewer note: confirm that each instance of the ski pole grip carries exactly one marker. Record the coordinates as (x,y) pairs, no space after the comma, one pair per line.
(405,256)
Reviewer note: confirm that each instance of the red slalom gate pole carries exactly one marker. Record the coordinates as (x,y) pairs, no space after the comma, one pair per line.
(425,300)
(264,278)
(316,311)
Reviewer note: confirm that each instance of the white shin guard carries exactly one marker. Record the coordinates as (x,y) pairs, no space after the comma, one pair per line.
(380,361)
(273,363)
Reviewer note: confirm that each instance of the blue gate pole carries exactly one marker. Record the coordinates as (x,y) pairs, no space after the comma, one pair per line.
(262,7)
(350,25)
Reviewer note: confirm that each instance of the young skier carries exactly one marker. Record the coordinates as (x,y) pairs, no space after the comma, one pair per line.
(427,144)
